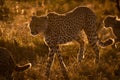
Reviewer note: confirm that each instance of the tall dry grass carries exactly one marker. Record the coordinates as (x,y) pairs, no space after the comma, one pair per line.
(15,36)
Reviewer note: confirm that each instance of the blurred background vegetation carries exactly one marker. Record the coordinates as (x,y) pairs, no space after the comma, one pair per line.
(15,36)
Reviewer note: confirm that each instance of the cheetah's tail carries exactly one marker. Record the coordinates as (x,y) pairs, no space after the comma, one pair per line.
(106,43)
(22,68)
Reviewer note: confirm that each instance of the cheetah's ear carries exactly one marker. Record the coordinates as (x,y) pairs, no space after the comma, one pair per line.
(33,17)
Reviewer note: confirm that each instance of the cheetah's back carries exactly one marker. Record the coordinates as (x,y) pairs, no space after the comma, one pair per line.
(63,28)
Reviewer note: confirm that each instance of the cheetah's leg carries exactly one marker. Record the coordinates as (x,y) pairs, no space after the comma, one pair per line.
(96,50)
(50,60)
(62,64)
(93,38)
(81,52)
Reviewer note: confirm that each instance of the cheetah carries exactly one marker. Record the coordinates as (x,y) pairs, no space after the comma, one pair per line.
(111,21)
(8,65)
(62,28)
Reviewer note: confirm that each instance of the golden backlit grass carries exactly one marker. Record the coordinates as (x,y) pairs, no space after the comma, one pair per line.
(86,70)
(15,36)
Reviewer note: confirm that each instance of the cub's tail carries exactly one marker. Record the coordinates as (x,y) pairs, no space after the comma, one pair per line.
(22,68)
(106,43)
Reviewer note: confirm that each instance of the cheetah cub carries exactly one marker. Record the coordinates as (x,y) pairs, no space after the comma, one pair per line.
(114,23)
(8,65)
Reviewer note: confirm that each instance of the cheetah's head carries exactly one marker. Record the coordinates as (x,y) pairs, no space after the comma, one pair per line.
(110,21)
(38,24)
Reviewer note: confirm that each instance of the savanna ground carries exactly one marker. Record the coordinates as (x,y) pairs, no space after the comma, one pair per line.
(15,36)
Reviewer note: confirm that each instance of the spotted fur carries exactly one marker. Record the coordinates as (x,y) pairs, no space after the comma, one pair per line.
(62,28)
(8,65)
